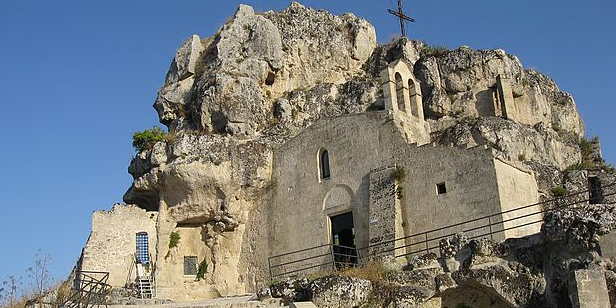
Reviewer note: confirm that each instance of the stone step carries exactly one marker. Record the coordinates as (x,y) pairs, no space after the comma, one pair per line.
(302,305)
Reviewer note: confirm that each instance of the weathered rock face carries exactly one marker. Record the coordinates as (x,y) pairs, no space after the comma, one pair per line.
(193,183)
(230,99)
(460,83)
(580,228)
(514,140)
(227,83)
(340,291)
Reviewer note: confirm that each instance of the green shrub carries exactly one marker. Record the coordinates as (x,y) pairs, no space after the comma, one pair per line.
(435,50)
(608,168)
(560,191)
(587,145)
(584,165)
(400,192)
(589,162)
(146,139)
(174,239)
(522,157)
(202,270)
(398,174)
(273,281)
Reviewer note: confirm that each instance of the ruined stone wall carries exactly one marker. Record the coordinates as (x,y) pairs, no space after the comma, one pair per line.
(112,243)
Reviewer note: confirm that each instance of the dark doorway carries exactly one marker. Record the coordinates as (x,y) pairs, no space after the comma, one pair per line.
(343,235)
(595,190)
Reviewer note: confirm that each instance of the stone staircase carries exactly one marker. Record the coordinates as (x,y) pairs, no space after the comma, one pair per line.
(145,287)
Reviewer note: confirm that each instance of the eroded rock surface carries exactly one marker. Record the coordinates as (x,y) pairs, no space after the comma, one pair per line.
(230,99)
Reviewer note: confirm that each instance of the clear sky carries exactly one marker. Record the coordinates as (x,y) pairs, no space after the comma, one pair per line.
(78,77)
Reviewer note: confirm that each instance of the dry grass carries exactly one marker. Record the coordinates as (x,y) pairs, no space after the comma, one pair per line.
(63,292)
(20,303)
(317,275)
(373,271)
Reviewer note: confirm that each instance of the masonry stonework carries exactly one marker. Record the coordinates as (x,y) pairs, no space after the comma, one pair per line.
(112,243)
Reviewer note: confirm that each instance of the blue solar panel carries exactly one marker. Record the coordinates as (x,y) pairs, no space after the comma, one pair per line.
(141,253)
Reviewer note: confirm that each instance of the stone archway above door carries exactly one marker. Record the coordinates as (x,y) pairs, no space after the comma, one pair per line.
(339,199)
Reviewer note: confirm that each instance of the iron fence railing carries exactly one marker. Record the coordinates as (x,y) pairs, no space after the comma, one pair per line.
(89,290)
(330,256)
(327,256)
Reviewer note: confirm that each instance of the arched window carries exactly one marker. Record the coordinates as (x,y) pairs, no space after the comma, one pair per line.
(400,92)
(324,164)
(142,254)
(413,99)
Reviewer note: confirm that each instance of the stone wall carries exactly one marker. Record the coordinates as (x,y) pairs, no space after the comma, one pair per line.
(517,188)
(383,209)
(112,243)
(302,201)
(358,144)
(469,179)
(173,283)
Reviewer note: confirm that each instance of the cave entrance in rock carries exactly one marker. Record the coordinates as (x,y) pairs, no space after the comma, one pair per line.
(343,237)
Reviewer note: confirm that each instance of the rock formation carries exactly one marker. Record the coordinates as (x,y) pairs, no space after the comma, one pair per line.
(230,99)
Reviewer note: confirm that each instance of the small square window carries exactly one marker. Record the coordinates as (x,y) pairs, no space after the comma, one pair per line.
(190,266)
(441,188)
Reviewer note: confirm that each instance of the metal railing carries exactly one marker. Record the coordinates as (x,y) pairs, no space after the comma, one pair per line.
(134,282)
(89,290)
(324,257)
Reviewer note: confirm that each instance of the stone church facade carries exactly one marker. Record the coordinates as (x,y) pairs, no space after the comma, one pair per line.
(442,185)
(333,177)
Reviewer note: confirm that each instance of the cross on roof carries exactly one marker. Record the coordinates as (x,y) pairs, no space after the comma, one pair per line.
(403,18)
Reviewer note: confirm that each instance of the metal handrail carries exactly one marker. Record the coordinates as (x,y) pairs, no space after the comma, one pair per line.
(91,291)
(427,239)
(330,253)
(484,226)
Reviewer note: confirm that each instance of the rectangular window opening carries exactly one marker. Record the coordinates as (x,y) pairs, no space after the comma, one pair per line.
(441,188)
(142,254)
(190,266)
(595,194)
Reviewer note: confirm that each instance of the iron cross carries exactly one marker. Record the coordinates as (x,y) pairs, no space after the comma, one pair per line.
(403,18)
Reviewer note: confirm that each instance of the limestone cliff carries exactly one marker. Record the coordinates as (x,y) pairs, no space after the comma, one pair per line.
(230,99)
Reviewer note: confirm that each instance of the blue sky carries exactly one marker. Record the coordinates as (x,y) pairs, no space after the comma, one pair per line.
(78,77)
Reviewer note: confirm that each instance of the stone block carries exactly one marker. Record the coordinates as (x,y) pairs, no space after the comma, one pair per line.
(588,289)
